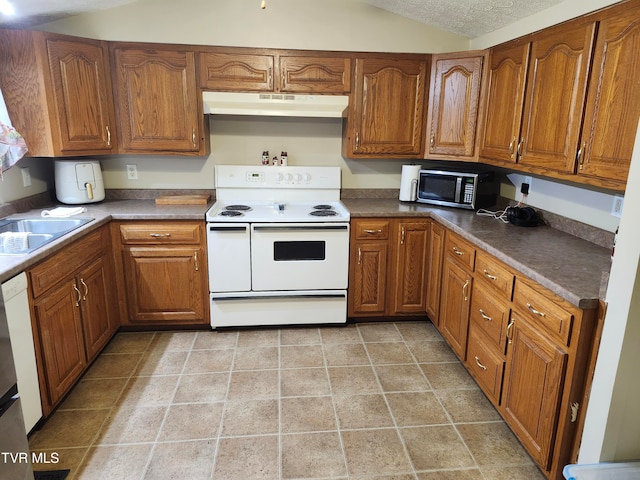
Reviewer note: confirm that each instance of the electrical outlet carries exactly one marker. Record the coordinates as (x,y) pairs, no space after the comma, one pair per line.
(26,176)
(132,172)
(526,180)
(616,208)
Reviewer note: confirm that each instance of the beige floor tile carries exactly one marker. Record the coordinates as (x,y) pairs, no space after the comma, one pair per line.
(147,391)
(353,380)
(493,444)
(157,362)
(304,381)
(418,331)
(182,460)
(467,406)
(379,332)
(250,417)
(170,341)
(299,336)
(470,474)
(432,351)
(125,342)
(215,340)
(207,361)
(94,393)
(67,459)
(436,448)
(269,337)
(362,411)
(416,408)
(113,365)
(124,462)
(243,458)
(312,455)
(256,358)
(132,424)
(301,356)
(400,476)
(371,452)
(448,376)
(253,384)
(191,421)
(69,428)
(401,378)
(202,388)
(390,353)
(340,334)
(343,354)
(527,472)
(307,414)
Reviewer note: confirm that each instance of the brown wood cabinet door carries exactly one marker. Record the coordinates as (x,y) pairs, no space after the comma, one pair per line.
(165,284)
(434,273)
(454,306)
(82,96)
(315,74)
(554,102)
(410,275)
(367,286)
(532,388)
(98,315)
(506,77)
(613,103)
(453,105)
(236,72)
(58,319)
(157,102)
(387,109)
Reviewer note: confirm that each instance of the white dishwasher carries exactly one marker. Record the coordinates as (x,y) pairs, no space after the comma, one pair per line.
(16,305)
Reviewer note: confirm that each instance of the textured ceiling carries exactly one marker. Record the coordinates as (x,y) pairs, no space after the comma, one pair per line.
(468,18)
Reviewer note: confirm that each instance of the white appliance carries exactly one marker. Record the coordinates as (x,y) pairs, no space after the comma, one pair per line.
(278,246)
(78,181)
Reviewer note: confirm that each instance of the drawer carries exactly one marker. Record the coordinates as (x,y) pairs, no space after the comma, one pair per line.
(490,315)
(542,311)
(161,233)
(494,273)
(461,250)
(371,229)
(486,366)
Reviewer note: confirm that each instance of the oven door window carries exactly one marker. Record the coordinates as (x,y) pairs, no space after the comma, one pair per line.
(294,251)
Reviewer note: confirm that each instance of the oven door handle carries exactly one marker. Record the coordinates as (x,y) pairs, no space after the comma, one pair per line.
(228,229)
(264,297)
(300,228)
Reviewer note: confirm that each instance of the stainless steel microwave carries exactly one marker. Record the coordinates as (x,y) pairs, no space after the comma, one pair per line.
(471,190)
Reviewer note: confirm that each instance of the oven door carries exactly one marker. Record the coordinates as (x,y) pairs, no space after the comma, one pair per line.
(229,258)
(299,256)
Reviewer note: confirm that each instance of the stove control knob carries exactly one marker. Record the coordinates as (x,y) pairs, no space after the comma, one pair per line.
(298,177)
(307,177)
(288,178)
(278,177)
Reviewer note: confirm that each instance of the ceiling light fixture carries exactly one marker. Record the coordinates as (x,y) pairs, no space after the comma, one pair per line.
(6,8)
(263,4)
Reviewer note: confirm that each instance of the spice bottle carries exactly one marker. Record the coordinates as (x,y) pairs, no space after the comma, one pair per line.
(283,159)
(265,157)
(274,161)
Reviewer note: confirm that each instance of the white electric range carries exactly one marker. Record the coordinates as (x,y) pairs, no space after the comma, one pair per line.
(278,246)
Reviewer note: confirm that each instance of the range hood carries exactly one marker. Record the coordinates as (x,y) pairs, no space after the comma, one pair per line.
(275,104)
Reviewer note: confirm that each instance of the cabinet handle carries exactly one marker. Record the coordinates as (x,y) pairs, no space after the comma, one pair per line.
(160,235)
(432,140)
(373,232)
(357,140)
(485,316)
(580,158)
(193,137)
(457,252)
(86,289)
(519,150)
(511,144)
(478,363)
(195,258)
(402,237)
(79,295)
(108,136)
(464,290)
(534,311)
(359,255)
(488,275)
(509,328)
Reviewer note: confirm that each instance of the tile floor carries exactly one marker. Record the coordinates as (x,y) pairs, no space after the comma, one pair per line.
(366,401)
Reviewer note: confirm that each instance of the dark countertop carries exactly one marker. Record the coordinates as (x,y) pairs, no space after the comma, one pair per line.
(571,267)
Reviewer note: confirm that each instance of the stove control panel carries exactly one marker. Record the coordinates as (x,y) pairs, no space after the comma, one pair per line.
(249,176)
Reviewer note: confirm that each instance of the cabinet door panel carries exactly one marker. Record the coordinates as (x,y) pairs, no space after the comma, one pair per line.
(533,385)
(556,90)
(315,74)
(236,72)
(410,286)
(368,288)
(454,306)
(434,275)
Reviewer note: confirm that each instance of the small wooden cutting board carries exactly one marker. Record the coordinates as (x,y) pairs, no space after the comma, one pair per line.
(201,199)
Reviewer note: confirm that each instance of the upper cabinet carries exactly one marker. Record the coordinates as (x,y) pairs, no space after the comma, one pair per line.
(454,101)
(387,108)
(58,92)
(227,69)
(158,104)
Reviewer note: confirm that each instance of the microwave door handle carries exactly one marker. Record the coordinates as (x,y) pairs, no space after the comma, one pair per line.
(458,195)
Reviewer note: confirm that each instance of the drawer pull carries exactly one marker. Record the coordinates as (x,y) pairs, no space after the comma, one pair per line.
(160,235)
(457,252)
(534,311)
(402,237)
(86,289)
(79,295)
(464,290)
(478,363)
(485,316)
(373,232)
(509,328)
(195,259)
(488,275)
(359,256)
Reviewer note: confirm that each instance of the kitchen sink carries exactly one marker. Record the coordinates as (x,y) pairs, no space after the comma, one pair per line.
(20,236)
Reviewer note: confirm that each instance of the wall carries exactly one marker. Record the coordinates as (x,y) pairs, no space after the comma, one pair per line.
(11,186)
